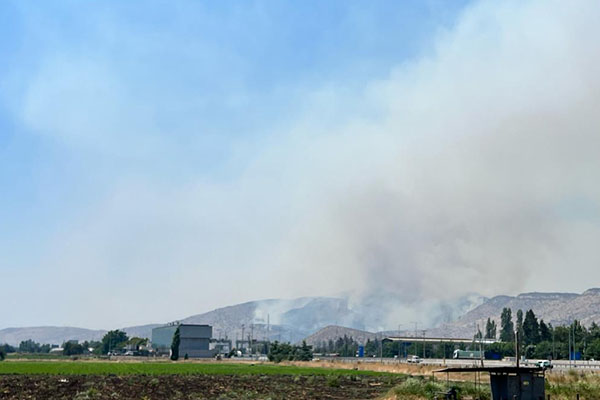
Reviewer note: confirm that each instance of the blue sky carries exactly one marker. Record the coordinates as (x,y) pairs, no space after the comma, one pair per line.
(163,143)
(192,78)
(203,74)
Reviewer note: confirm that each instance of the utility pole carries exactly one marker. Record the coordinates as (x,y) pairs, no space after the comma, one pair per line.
(517,338)
(569,347)
(402,343)
(574,343)
(381,349)
(243,327)
(251,336)
(480,346)
(416,349)
(553,351)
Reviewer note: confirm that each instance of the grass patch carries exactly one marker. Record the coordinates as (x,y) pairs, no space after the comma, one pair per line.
(36,356)
(416,388)
(165,368)
(565,386)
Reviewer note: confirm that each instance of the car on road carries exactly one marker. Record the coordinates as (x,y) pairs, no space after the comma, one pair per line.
(413,359)
(546,364)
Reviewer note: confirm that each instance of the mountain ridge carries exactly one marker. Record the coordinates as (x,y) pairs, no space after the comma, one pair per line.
(295,319)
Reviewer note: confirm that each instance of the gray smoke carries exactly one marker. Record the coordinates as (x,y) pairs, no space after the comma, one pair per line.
(473,169)
(478,176)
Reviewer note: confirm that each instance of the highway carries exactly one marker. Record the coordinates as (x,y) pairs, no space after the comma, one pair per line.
(449,362)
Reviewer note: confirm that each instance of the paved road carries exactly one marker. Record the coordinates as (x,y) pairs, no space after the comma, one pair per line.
(558,364)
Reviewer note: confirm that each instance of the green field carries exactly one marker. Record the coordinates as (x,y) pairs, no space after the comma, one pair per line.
(166,368)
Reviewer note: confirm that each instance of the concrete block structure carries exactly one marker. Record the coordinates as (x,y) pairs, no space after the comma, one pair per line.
(510,383)
(194,340)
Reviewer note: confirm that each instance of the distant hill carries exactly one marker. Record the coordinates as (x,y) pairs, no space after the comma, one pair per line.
(283,320)
(48,334)
(334,332)
(295,319)
(143,331)
(555,308)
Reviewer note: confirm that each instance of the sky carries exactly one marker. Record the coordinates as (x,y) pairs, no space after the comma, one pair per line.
(159,159)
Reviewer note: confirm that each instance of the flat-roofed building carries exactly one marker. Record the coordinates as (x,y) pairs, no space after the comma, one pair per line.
(194,340)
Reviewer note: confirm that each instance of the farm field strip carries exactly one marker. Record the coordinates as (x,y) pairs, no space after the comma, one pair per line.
(142,368)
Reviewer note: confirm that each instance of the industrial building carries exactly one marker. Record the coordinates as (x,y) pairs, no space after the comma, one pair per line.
(194,340)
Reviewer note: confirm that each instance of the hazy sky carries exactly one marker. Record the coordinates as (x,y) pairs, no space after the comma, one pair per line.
(162,158)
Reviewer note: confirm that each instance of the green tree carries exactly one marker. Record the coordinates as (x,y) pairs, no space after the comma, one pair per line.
(114,340)
(29,346)
(175,345)
(543,350)
(304,353)
(2,355)
(286,352)
(490,329)
(371,348)
(531,329)
(594,331)
(72,348)
(507,328)
(545,332)
(593,349)
(281,352)
(6,348)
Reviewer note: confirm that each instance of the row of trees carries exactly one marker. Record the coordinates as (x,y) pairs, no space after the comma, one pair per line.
(112,341)
(539,340)
(542,340)
(346,346)
(530,330)
(287,352)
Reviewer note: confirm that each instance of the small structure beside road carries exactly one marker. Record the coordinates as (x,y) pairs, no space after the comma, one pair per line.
(510,383)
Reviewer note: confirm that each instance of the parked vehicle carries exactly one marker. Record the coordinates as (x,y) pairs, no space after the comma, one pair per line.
(413,359)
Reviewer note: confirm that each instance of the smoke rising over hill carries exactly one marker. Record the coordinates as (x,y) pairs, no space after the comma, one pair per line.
(471,169)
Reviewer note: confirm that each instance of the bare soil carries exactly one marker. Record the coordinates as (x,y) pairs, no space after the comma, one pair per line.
(223,387)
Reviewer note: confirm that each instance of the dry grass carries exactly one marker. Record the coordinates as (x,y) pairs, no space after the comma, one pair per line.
(565,385)
(406,369)
(560,384)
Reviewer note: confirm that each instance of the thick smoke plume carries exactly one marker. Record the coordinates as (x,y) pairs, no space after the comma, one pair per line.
(478,175)
(472,169)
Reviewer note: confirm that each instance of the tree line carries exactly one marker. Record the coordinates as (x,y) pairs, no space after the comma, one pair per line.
(347,346)
(287,352)
(113,341)
(543,340)
(539,340)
